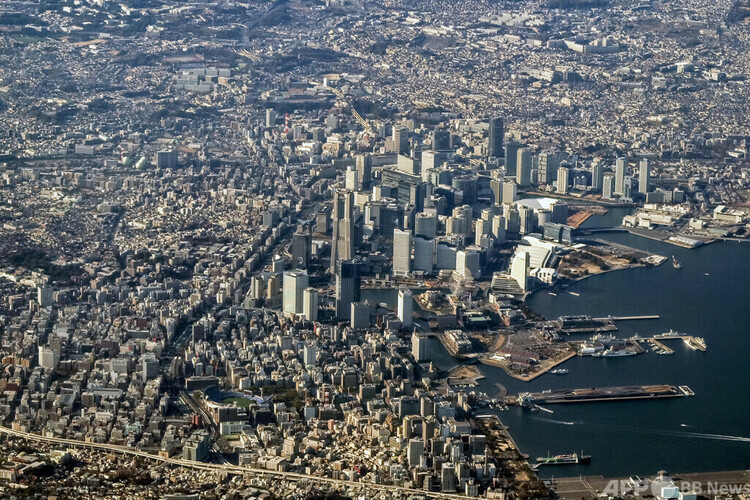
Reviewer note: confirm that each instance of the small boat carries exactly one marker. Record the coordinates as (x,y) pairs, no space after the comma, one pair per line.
(676,263)
(575,294)
(559,371)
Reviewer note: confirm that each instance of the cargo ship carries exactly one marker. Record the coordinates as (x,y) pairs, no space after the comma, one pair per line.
(572,458)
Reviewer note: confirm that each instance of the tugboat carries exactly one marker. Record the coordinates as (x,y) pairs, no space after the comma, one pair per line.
(572,458)
(676,263)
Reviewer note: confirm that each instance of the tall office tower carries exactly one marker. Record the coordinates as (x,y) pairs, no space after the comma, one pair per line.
(448,477)
(348,284)
(549,162)
(510,191)
(621,166)
(498,229)
(351,179)
(310,304)
(310,355)
(425,224)
(497,133)
(424,254)
(44,295)
(481,228)
(166,158)
(301,248)
(511,158)
(496,186)
(608,186)
(295,283)
(405,307)
(627,187)
(527,220)
(401,252)
(523,166)
(342,242)
(441,139)
(401,139)
(644,174)
(519,269)
(560,211)
(468,263)
(563,180)
(364,170)
(414,452)
(597,175)
(420,347)
(270,117)
(512,220)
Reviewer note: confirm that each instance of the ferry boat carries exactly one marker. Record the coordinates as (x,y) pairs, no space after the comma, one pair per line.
(676,263)
(559,371)
(571,458)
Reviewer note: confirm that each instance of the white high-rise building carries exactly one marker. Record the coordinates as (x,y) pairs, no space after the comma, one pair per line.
(351,179)
(401,252)
(608,187)
(310,304)
(294,285)
(519,269)
(420,347)
(524,164)
(44,295)
(405,307)
(48,358)
(644,174)
(621,165)
(563,180)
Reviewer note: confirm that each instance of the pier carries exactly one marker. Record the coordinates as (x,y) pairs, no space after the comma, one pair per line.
(620,393)
(628,318)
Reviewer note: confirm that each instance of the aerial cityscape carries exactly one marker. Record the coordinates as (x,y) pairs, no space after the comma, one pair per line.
(388,249)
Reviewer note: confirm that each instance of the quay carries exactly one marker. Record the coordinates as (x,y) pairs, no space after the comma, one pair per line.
(619,393)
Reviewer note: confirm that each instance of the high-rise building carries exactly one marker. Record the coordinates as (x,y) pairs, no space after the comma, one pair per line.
(519,269)
(295,283)
(425,224)
(166,158)
(608,186)
(401,139)
(563,180)
(527,220)
(441,140)
(342,242)
(448,477)
(467,263)
(402,243)
(644,174)
(414,452)
(405,307)
(420,347)
(348,284)
(627,188)
(310,355)
(510,190)
(424,254)
(523,166)
(301,248)
(621,166)
(310,304)
(351,179)
(48,357)
(44,295)
(496,135)
(511,158)
(364,170)
(597,175)
(270,117)
(549,162)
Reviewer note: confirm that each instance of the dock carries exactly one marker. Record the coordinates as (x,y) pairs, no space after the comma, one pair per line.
(619,393)
(628,318)
(659,346)
(689,340)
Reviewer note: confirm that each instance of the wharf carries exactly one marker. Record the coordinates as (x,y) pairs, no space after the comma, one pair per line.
(658,345)
(689,341)
(619,393)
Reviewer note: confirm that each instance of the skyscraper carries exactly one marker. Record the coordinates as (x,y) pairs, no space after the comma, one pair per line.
(441,140)
(608,186)
(563,180)
(347,287)
(496,134)
(511,158)
(401,252)
(414,452)
(301,248)
(364,170)
(597,175)
(549,162)
(405,307)
(523,166)
(644,178)
(294,285)
(519,269)
(310,304)
(621,165)
(420,347)
(401,139)
(342,242)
